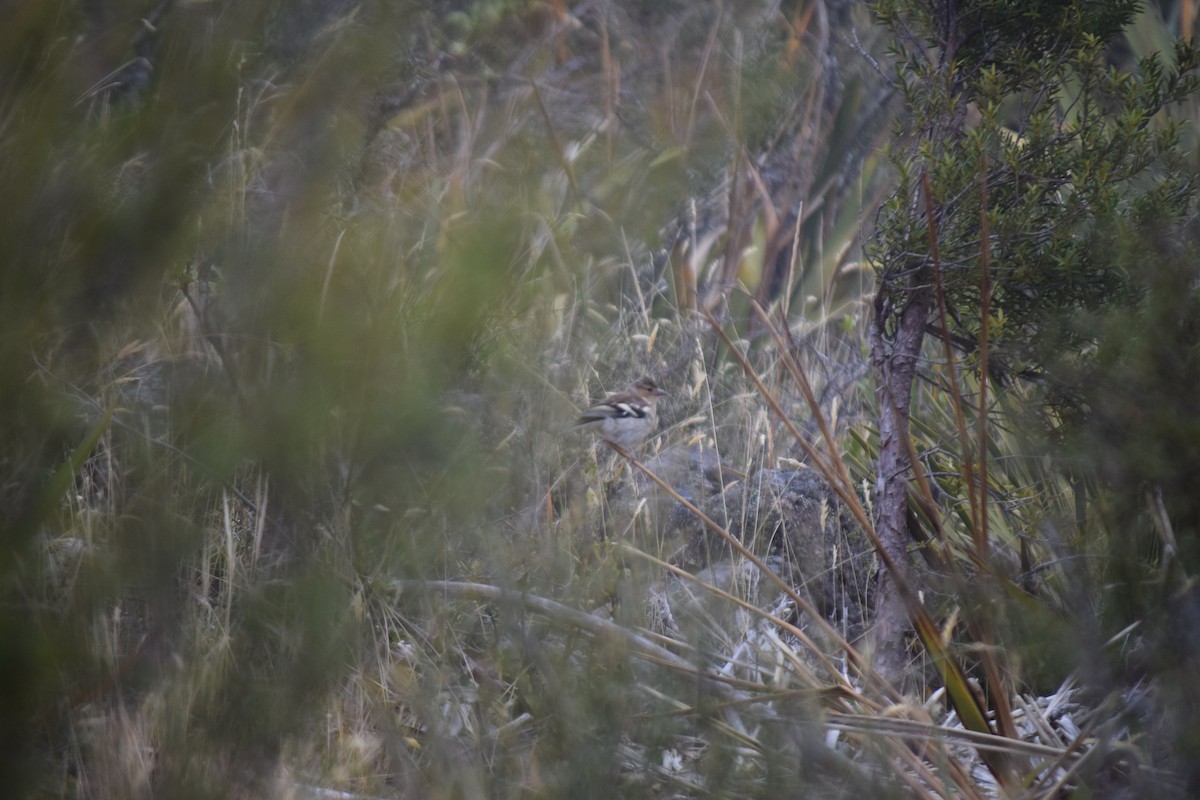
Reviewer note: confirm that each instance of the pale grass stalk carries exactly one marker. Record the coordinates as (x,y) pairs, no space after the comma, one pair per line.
(230,559)
(260,517)
(329,275)
(700,78)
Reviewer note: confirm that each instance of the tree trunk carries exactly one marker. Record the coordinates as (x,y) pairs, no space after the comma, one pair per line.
(894,360)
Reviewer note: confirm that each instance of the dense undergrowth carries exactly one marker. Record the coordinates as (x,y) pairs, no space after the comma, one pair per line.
(298,309)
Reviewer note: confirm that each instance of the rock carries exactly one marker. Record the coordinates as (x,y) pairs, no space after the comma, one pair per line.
(791,517)
(693,471)
(796,515)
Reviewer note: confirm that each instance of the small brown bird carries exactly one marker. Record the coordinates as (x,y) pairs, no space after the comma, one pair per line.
(626,418)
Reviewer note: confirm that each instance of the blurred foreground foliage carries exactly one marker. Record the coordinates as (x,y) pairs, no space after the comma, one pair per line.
(295,298)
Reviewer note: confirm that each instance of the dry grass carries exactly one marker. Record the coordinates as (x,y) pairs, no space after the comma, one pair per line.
(327,533)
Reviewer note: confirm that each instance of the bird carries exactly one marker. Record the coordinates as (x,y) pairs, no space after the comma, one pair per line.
(625,418)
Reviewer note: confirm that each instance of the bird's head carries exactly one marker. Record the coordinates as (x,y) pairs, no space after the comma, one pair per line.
(649,389)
